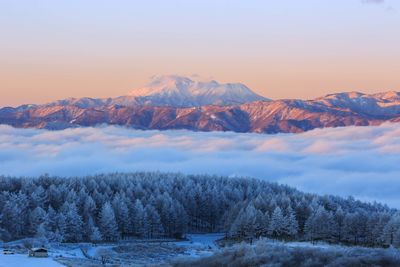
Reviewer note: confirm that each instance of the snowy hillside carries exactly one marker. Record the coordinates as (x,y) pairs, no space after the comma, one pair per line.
(380,104)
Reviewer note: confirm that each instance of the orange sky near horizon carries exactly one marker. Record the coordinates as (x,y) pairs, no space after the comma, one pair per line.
(290,49)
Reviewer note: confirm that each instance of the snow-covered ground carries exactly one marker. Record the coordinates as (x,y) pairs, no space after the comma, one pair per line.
(22,260)
(165,252)
(205,239)
(92,251)
(137,252)
(313,245)
(201,241)
(200,244)
(67,253)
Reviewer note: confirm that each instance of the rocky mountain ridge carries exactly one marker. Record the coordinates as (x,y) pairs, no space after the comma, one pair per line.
(265,116)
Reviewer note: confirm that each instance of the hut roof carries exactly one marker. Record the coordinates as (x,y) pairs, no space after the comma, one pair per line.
(38,249)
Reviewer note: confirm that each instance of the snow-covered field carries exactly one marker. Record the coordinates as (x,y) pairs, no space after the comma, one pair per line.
(22,260)
(199,245)
(135,252)
(198,249)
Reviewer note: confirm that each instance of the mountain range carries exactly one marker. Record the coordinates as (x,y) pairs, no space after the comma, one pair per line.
(176,102)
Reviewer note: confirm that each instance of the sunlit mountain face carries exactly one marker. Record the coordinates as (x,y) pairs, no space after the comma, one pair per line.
(177,102)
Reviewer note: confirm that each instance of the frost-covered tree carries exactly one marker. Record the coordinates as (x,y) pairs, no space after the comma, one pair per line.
(121,214)
(36,218)
(250,223)
(89,208)
(93,232)
(147,205)
(41,231)
(320,225)
(390,230)
(292,226)
(278,224)
(62,227)
(11,219)
(152,218)
(108,224)
(339,223)
(73,223)
(139,219)
(350,228)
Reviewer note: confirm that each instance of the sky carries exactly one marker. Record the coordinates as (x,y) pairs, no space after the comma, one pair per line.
(281,49)
(358,161)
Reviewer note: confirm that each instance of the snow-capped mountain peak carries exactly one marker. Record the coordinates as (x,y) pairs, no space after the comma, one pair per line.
(389,95)
(167,84)
(177,90)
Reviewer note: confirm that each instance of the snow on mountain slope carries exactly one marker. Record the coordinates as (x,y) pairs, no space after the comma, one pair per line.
(179,91)
(175,91)
(84,102)
(176,102)
(380,104)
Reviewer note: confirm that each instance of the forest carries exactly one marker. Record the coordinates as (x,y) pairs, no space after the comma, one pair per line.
(115,206)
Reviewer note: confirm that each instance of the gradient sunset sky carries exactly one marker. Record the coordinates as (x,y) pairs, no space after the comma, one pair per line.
(281,49)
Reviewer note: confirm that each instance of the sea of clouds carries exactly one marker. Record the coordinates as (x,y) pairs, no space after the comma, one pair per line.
(359,161)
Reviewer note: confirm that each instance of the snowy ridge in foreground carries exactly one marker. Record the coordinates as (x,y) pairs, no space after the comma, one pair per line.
(267,253)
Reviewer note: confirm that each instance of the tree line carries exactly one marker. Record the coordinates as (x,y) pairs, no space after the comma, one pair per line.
(109,207)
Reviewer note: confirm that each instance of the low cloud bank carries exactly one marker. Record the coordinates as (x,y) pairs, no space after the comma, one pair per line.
(359,161)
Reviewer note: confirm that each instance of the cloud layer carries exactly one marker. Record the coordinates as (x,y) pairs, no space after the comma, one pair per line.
(359,161)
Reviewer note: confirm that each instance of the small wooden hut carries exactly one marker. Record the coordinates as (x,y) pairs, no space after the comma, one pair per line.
(38,253)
